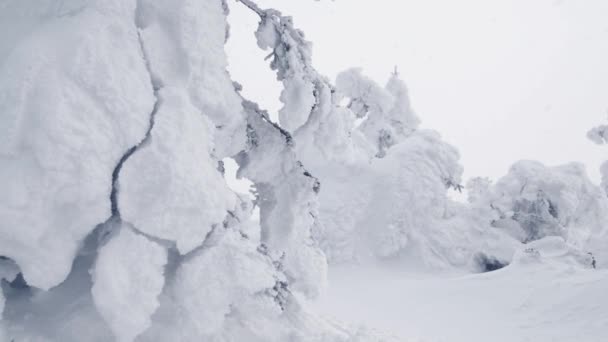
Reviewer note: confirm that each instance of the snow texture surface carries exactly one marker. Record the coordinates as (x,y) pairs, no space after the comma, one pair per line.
(71,108)
(127,279)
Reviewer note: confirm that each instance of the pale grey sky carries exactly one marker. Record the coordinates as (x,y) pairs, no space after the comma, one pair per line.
(500,80)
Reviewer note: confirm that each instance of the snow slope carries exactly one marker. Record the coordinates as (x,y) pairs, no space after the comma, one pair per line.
(546,299)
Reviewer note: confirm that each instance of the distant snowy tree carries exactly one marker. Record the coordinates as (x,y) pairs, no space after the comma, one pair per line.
(537,217)
(534,201)
(477,189)
(599,135)
(388,117)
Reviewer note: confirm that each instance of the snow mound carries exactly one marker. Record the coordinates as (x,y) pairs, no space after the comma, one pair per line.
(554,249)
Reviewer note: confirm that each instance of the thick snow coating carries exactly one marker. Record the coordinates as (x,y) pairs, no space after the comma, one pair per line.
(533,201)
(287,198)
(372,200)
(127,279)
(70,109)
(118,222)
(116,193)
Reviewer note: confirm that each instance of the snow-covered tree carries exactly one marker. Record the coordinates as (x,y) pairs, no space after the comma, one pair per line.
(383,182)
(388,117)
(477,188)
(116,115)
(599,135)
(534,201)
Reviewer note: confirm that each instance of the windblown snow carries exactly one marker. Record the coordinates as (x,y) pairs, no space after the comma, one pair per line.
(119,223)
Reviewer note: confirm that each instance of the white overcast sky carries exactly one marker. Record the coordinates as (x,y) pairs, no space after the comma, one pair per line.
(500,80)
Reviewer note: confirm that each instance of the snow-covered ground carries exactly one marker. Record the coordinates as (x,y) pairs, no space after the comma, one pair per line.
(536,302)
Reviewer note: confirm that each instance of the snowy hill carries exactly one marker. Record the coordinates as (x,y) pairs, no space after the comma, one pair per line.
(541,297)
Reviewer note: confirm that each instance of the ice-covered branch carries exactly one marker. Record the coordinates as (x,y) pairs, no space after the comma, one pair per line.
(253,6)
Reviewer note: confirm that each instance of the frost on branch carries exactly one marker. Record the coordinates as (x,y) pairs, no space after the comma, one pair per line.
(291,59)
(310,112)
